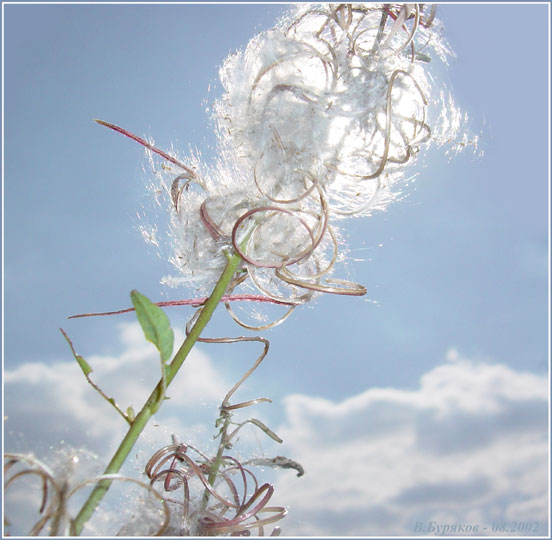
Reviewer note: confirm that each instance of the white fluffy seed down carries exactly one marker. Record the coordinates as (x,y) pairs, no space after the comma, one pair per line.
(320,118)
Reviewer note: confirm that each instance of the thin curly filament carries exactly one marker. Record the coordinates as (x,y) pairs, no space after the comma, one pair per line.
(52,507)
(226,406)
(244,509)
(57,492)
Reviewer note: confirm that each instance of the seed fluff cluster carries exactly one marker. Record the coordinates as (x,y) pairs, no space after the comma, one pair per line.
(320,118)
(45,494)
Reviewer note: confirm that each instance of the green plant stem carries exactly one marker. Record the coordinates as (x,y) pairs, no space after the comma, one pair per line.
(218,459)
(149,407)
(215,466)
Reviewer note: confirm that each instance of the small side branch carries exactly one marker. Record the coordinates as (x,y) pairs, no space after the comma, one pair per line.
(86,369)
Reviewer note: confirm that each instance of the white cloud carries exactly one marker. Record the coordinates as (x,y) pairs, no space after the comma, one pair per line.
(468,447)
(51,403)
(52,412)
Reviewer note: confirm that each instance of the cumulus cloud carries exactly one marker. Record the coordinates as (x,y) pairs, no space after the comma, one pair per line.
(53,403)
(467,447)
(52,412)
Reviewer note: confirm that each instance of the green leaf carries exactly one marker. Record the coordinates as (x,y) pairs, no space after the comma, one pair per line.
(86,369)
(155,324)
(131,415)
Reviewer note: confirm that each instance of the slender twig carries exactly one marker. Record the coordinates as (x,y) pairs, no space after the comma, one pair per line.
(194,302)
(146,144)
(86,369)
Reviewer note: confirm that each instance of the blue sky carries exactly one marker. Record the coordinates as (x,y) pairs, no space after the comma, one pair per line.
(444,360)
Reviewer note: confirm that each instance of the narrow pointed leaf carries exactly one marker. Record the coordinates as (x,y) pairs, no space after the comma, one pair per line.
(155,324)
(86,369)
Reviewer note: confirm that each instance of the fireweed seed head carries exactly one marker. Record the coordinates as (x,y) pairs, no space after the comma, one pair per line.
(320,120)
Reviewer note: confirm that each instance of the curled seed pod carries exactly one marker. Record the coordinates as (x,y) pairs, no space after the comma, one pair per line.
(237,503)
